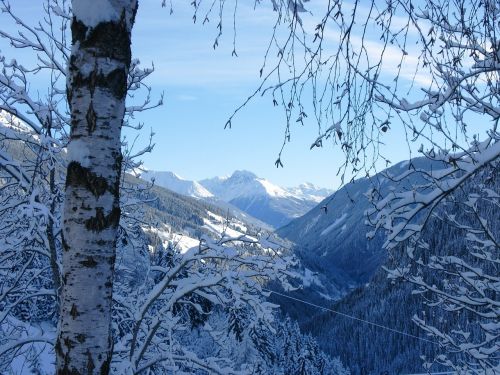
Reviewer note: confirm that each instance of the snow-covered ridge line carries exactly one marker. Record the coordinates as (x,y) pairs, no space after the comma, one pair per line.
(177,184)
(243,190)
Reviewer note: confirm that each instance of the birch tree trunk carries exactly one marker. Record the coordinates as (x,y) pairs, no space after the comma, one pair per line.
(96,91)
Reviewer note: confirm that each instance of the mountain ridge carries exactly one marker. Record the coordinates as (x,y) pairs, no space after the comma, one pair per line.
(256,196)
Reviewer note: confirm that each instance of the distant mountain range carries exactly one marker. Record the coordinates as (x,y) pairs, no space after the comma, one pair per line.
(171,181)
(256,196)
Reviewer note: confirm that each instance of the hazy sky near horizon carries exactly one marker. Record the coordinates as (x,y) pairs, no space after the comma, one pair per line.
(203,86)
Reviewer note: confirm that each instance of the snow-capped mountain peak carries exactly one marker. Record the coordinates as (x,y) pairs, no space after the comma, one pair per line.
(254,195)
(243,184)
(241,175)
(264,200)
(308,190)
(176,183)
(273,190)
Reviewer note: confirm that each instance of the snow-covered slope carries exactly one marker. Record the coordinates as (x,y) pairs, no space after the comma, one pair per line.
(262,199)
(171,181)
(334,243)
(243,184)
(310,192)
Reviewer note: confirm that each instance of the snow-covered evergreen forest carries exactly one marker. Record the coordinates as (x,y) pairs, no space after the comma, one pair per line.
(107,267)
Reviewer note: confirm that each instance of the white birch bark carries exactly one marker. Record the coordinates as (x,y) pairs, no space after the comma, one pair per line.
(96,90)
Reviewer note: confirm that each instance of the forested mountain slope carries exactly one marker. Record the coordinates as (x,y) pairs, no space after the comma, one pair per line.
(394,303)
(331,241)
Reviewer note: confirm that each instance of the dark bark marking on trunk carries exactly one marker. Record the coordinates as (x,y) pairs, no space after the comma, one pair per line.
(74,312)
(90,364)
(93,81)
(106,366)
(108,39)
(69,95)
(118,164)
(81,338)
(68,344)
(100,221)
(89,262)
(91,118)
(65,245)
(115,81)
(78,176)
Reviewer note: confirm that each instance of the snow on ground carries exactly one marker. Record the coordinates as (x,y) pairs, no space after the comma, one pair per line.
(183,243)
(217,225)
(334,224)
(308,191)
(310,278)
(310,224)
(18,126)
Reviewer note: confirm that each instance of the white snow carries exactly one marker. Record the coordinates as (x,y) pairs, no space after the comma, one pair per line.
(172,181)
(273,190)
(309,278)
(217,225)
(42,350)
(334,224)
(308,191)
(311,224)
(244,184)
(91,13)
(183,243)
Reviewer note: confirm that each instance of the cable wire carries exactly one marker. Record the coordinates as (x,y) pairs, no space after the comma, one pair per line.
(352,317)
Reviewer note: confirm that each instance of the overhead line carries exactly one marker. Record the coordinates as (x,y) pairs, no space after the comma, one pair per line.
(352,317)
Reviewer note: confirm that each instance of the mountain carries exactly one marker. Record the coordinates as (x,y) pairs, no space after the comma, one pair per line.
(193,189)
(394,303)
(157,226)
(309,191)
(171,181)
(262,199)
(331,242)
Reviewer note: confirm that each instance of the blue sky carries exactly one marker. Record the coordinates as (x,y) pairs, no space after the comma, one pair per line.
(203,86)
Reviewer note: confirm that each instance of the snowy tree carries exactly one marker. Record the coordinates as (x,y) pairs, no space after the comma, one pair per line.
(32,136)
(355,102)
(366,70)
(147,324)
(98,68)
(34,143)
(454,267)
